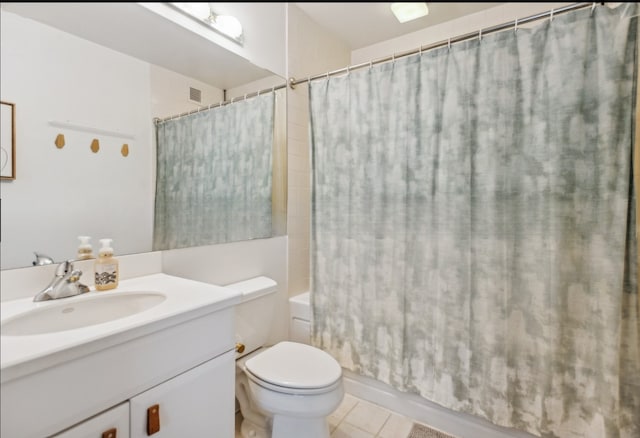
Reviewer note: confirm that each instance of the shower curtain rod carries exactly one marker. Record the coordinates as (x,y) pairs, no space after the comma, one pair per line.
(157,120)
(468,36)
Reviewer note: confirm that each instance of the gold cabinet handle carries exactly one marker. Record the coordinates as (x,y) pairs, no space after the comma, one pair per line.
(153,419)
(111,433)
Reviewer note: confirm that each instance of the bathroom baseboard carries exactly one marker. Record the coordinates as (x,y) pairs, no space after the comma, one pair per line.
(422,410)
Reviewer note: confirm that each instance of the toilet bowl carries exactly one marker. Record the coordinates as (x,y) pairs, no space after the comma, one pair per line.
(287,390)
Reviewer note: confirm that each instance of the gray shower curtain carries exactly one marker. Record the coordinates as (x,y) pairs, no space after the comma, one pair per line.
(214,182)
(473,225)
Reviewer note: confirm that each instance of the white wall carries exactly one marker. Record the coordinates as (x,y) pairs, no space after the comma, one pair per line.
(232,262)
(52,75)
(311,49)
(170,92)
(255,86)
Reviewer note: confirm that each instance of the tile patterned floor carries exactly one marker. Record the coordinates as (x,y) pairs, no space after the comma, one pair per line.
(356,418)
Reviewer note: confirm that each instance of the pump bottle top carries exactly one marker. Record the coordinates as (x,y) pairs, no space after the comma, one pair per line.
(106,250)
(85,251)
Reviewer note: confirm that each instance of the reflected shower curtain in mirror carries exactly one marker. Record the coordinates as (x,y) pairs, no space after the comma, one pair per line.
(473,231)
(213,181)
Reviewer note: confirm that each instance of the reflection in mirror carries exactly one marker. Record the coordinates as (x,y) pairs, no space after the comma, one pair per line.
(99,86)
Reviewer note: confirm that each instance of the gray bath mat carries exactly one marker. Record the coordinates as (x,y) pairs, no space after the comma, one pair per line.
(422,431)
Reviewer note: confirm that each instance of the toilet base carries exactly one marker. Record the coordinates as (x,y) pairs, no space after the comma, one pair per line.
(289,427)
(248,429)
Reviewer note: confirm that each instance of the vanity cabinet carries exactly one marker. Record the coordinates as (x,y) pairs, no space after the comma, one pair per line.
(113,423)
(197,403)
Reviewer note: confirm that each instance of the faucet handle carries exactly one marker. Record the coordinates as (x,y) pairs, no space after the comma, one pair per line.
(75,276)
(64,268)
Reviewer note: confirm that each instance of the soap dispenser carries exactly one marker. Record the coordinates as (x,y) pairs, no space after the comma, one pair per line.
(85,251)
(106,267)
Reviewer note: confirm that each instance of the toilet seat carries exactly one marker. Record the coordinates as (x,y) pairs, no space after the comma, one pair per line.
(289,390)
(294,368)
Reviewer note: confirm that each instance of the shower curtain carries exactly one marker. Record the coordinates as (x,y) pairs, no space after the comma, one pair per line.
(213,181)
(473,225)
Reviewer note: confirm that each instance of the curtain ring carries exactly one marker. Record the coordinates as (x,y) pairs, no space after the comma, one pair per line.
(273,89)
(515,27)
(393,58)
(245,96)
(593,7)
(480,35)
(449,43)
(370,64)
(327,75)
(551,16)
(259,93)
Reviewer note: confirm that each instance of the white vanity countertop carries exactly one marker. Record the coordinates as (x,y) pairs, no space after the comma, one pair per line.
(185,300)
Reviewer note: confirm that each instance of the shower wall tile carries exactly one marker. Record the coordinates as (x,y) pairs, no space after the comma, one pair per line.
(297,147)
(300,178)
(311,49)
(299,132)
(301,162)
(300,229)
(299,117)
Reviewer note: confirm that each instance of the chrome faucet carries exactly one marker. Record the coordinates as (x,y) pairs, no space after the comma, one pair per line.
(42,259)
(66,283)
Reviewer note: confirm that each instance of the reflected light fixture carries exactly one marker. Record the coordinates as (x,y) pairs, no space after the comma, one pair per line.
(226,25)
(409,11)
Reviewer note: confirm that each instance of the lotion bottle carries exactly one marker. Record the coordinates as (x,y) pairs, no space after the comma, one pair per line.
(106,267)
(85,251)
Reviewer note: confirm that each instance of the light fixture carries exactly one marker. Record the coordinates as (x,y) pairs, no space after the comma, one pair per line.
(226,25)
(409,11)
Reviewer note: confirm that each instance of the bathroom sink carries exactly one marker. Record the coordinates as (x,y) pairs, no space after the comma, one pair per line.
(66,360)
(83,311)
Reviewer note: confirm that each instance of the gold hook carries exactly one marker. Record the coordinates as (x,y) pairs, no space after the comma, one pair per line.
(59,141)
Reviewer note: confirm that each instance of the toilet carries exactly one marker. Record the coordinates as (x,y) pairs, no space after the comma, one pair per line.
(286,390)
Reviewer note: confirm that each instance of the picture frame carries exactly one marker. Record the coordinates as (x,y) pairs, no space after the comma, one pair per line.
(7,140)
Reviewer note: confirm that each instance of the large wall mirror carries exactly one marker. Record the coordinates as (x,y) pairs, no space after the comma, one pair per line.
(87,80)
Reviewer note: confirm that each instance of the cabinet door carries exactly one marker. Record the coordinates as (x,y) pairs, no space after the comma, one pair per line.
(198,403)
(113,423)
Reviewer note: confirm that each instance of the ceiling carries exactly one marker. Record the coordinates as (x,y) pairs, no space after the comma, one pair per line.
(362,24)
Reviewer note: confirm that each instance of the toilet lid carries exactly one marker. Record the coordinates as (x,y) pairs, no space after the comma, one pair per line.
(294,365)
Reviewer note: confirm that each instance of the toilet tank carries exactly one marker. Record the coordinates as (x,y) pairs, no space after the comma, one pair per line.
(254,314)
